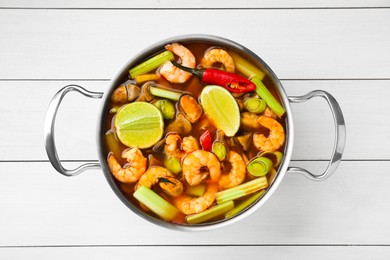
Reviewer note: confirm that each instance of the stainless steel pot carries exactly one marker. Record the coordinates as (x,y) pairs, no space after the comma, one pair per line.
(284,168)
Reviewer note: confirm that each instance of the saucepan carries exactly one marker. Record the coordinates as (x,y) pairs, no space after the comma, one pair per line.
(283,169)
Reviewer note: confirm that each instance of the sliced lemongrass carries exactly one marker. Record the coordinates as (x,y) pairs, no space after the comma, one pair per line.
(219,150)
(113,144)
(166,107)
(151,64)
(255,105)
(278,157)
(146,77)
(259,166)
(196,191)
(245,67)
(210,213)
(172,164)
(164,93)
(244,204)
(264,93)
(241,190)
(155,203)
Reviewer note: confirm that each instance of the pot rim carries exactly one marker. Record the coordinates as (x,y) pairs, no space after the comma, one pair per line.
(153,49)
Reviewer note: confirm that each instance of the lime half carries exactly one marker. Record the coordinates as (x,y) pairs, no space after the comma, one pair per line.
(221,108)
(139,124)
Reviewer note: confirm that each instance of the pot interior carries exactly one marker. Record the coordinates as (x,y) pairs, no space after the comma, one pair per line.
(198,44)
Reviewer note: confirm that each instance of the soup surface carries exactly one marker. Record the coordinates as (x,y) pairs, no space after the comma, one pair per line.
(195,133)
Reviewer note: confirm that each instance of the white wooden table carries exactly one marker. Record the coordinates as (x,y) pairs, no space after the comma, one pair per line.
(342,47)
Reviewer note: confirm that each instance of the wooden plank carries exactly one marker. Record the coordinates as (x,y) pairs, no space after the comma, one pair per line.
(200,252)
(41,208)
(23,105)
(153,4)
(94,44)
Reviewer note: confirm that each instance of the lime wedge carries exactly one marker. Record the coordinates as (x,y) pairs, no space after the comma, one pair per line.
(221,108)
(139,124)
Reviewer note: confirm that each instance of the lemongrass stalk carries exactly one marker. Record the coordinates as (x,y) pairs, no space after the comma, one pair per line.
(172,164)
(278,156)
(166,107)
(155,203)
(196,191)
(245,67)
(164,93)
(113,145)
(255,105)
(259,166)
(146,77)
(243,205)
(151,64)
(264,93)
(210,213)
(241,190)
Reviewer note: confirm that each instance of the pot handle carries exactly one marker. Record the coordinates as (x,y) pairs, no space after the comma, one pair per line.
(48,130)
(339,142)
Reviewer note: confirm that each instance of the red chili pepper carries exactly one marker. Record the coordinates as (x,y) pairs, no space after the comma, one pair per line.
(230,81)
(205,141)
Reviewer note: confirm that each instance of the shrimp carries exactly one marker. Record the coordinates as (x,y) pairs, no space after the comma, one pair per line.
(236,175)
(152,175)
(132,171)
(215,55)
(275,138)
(171,148)
(189,144)
(162,176)
(194,164)
(190,205)
(172,73)
(176,147)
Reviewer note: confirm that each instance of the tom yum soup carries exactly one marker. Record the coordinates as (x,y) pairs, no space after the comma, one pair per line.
(195,133)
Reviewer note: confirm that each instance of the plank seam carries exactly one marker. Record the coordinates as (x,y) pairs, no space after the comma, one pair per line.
(202,245)
(195,8)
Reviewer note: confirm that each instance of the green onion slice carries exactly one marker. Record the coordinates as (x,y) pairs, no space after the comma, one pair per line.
(259,166)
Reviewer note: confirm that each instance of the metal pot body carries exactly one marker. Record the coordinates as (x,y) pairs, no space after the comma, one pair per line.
(217,41)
